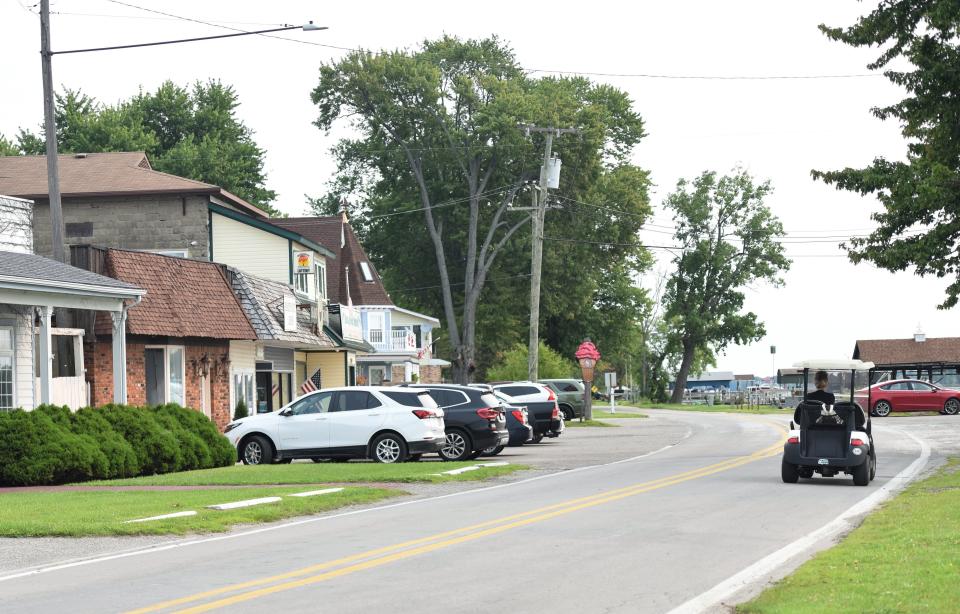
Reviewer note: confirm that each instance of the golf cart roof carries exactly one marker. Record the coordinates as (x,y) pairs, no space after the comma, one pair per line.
(834,364)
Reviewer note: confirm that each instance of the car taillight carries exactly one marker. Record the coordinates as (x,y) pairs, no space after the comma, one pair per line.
(556,412)
(518,414)
(550,395)
(857,442)
(487,413)
(793,440)
(423,414)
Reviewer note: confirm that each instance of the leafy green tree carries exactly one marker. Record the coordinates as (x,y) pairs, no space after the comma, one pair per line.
(193,133)
(729,241)
(920,224)
(8,148)
(439,157)
(512,364)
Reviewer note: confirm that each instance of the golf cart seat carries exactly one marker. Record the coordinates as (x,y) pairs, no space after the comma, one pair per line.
(860,420)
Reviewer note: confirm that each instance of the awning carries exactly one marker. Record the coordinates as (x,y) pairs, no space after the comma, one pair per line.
(350,344)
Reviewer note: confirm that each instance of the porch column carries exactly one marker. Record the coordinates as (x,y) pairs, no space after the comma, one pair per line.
(119,356)
(43,355)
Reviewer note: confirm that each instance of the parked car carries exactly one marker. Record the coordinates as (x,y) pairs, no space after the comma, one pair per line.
(541,404)
(387,425)
(909,395)
(569,396)
(518,422)
(473,417)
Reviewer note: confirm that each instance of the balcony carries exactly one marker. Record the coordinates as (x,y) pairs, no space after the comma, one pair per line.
(401,340)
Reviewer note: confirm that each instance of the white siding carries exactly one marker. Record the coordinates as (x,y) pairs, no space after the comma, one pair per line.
(398,318)
(243,355)
(250,249)
(16,226)
(23,381)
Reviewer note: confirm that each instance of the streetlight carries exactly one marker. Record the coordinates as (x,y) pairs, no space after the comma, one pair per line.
(49,121)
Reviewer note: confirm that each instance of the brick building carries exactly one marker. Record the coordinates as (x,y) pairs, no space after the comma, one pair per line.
(178,338)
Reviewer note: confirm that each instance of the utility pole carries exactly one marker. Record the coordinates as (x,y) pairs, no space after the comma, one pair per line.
(549,177)
(50,130)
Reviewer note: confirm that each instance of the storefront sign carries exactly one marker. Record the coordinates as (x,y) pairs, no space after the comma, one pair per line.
(350,323)
(303,263)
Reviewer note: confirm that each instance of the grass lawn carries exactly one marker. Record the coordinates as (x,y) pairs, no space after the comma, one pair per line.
(317,473)
(577,423)
(77,513)
(905,557)
(733,409)
(618,415)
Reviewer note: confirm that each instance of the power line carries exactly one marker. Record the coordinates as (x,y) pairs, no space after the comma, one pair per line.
(147,17)
(461,283)
(439,205)
(705,77)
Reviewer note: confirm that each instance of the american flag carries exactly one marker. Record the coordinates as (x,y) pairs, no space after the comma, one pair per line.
(311,383)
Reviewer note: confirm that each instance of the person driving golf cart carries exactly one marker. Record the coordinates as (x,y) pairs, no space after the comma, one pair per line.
(821,380)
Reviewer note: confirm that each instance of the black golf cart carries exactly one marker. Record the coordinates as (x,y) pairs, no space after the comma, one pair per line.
(831,439)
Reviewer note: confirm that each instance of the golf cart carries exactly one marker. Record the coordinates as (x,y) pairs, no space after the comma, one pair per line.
(831,439)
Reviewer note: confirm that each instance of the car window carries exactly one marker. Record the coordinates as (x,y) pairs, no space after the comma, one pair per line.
(426,400)
(447,398)
(353,400)
(921,387)
(898,386)
(313,404)
(570,388)
(517,391)
(489,399)
(408,399)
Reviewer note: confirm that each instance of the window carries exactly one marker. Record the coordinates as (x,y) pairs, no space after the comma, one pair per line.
(353,400)
(64,356)
(176,253)
(569,388)
(164,371)
(7,400)
(898,386)
(301,283)
(516,391)
(447,398)
(243,390)
(321,284)
(366,272)
(412,399)
(314,404)
(918,387)
(375,326)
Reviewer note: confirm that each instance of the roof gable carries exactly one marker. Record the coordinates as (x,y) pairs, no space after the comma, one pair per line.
(908,351)
(103,174)
(185,298)
(345,277)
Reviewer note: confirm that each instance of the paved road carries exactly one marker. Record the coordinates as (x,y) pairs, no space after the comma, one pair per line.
(641,535)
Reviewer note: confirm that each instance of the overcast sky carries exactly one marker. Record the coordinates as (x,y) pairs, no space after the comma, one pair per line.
(777,129)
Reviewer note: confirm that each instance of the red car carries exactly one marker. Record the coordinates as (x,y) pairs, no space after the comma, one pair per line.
(910,395)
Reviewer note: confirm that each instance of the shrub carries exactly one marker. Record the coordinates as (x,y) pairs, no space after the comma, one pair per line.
(241,410)
(156,448)
(45,452)
(220,452)
(512,365)
(122,459)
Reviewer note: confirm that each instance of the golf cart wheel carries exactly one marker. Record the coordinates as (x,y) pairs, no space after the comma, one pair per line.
(789,472)
(882,409)
(492,451)
(861,473)
(951,407)
(873,467)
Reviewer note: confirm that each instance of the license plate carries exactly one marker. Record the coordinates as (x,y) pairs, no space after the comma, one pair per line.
(823,461)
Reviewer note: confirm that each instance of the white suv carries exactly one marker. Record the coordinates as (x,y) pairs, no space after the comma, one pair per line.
(387,425)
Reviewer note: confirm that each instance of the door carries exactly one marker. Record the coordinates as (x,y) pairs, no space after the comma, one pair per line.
(900,395)
(307,425)
(264,393)
(925,398)
(377,375)
(356,416)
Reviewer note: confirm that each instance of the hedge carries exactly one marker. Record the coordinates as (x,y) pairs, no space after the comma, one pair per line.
(52,445)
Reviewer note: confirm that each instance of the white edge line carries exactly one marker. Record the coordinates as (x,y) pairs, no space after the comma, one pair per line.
(313,493)
(206,540)
(771,562)
(163,517)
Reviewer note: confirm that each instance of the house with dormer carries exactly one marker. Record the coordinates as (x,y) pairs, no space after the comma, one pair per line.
(402,339)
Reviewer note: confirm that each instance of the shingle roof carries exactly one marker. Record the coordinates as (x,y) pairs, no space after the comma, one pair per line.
(102,174)
(262,301)
(908,351)
(30,266)
(327,232)
(185,298)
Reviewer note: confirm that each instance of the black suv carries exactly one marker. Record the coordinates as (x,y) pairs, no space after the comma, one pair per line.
(474,420)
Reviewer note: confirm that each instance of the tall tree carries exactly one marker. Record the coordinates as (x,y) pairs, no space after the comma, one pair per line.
(729,241)
(920,224)
(439,158)
(193,133)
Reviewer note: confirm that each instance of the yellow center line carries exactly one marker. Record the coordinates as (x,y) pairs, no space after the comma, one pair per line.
(447,539)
